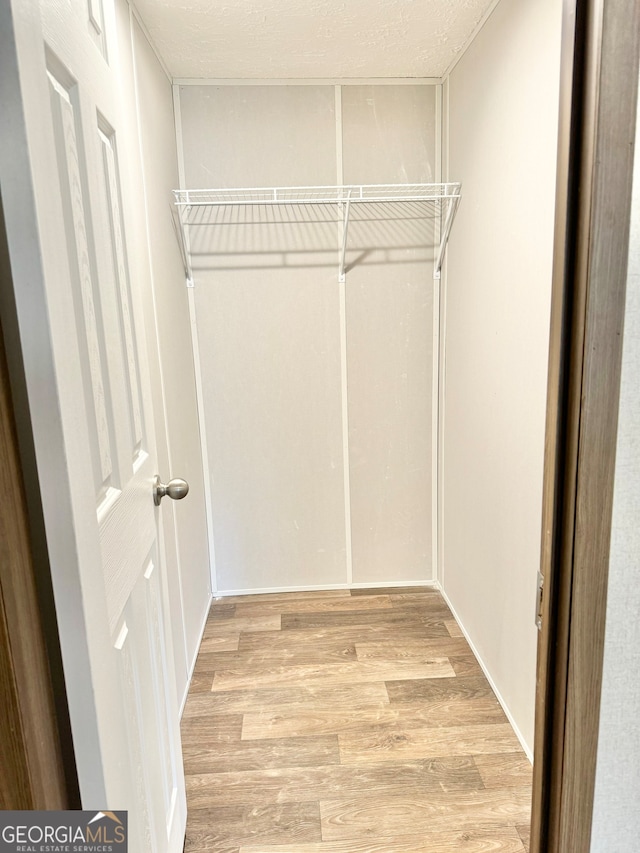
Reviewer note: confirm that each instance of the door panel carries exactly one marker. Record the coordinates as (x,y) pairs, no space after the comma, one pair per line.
(140,640)
(115,237)
(82,265)
(122,696)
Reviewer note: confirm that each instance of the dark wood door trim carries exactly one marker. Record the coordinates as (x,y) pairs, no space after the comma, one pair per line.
(37,767)
(601,47)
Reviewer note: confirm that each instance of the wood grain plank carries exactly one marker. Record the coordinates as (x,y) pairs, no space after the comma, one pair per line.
(453,628)
(524,831)
(410,649)
(211,729)
(507,770)
(432,605)
(438,689)
(239,824)
(316,605)
(235,625)
(427,597)
(300,784)
(379,818)
(335,673)
(381,590)
(221,610)
(261,755)
(339,634)
(503,840)
(212,848)
(291,721)
(353,696)
(220,643)
(387,618)
(466,664)
(310,653)
(371,747)
(199,685)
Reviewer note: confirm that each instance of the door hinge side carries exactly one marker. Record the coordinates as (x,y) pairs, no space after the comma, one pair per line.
(539,600)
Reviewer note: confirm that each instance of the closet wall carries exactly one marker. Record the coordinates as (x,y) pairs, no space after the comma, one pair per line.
(317,397)
(503,106)
(151,159)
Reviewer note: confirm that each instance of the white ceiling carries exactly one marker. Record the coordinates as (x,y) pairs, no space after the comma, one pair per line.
(262,39)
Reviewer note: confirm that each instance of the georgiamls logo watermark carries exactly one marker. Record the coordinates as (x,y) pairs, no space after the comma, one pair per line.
(63,832)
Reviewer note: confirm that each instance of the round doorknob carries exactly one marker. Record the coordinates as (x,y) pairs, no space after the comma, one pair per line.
(176,489)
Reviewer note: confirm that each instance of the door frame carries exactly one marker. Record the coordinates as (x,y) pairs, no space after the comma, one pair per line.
(600,56)
(600,50)
(38,764)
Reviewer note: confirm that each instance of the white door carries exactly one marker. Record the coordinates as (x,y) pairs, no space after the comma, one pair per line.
(60,163)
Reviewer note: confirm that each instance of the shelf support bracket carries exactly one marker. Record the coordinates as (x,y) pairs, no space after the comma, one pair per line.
(182,237)
(345,232)
(446,231)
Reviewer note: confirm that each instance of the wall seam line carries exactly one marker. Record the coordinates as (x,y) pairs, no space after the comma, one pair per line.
(344,386)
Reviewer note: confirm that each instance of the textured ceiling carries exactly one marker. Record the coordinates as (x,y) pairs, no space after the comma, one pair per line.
(310,38)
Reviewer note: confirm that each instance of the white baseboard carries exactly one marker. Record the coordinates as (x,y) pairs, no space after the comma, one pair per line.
(324,587)
(394,584)
(192,666)
(485,669)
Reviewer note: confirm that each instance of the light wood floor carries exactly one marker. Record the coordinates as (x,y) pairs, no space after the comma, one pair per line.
(339,722)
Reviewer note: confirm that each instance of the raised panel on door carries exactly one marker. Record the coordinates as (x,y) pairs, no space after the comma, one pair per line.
(140,643)
(122,694)
(83,268)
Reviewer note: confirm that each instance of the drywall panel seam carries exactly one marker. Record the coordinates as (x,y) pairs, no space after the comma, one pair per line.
(471,39)
(345,429)
(439,118)
(485,669)
(324,587)
(435,370)
(196,365)
(435,443)
(442,351)
(339,150)
(134,11)
(344,389)
(165,415)
(309,81)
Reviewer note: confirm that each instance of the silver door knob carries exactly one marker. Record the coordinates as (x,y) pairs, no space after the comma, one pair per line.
(176,489)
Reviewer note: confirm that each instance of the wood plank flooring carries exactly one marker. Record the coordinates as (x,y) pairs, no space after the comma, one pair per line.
(347,722)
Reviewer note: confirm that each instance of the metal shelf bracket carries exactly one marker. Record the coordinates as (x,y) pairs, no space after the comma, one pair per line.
(446,231)
(345,232)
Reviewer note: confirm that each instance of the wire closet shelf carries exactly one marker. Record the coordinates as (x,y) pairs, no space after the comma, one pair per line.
(444,197)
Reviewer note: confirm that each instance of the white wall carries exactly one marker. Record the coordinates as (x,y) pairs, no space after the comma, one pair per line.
(274,360)
(503,105)
(389,137)
(616,816)
(154,162)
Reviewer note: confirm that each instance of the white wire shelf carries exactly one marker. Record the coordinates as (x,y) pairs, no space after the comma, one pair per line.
(445,197)
(371,193)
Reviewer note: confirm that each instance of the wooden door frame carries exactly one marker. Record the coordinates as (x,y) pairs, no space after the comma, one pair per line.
(600,53)
(37,766)
(597,120)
